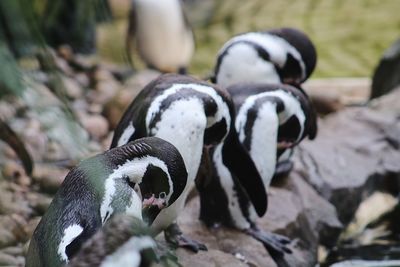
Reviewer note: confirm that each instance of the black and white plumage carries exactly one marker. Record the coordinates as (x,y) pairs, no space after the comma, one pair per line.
(190,114)
(123,241)
(141,177)
(283,55)
(267,116)
(164,38)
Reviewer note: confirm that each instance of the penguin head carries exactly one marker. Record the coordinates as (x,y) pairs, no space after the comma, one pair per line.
(152,173)
(219,117)
(291,72)
(297,121)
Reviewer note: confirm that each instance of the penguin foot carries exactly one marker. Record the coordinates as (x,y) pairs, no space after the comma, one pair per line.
(283,169)
(275,244)
(174,236)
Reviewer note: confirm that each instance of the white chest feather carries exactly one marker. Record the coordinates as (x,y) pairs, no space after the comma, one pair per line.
(185,130)
(264,140)
(183,124)
(263,135)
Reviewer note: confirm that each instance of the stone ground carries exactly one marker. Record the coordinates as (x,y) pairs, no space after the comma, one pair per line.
(356,152)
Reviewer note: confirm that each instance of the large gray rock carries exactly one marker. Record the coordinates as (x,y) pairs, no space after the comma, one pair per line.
(355,153)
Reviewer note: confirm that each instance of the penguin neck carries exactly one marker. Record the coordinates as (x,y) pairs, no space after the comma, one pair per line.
(263,141)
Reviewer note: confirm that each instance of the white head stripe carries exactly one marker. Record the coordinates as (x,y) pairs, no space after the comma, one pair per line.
(127,133)
(292,107)
(276,47)
(222,111)
(135,170)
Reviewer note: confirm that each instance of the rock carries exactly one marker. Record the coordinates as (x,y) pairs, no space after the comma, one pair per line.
(350,90)
(63,66)
(31,226)
(49,177)
(13,170)
(211,258)
(355,151)
(302,202)
(105,87)
(12,230)
(387,104)
(12,200)
(7,111)
(14,251)
(141,79)
(115,108)
(38,202)
(95,108)
(325,103)
(96,125)
(65,52)
(72,88)
(35,139)
(361,263)
(223,243)
(55,152)
(82,79)
(8,260)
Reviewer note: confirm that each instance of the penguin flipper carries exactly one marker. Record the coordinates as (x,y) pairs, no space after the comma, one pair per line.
(175,237)
(240,164)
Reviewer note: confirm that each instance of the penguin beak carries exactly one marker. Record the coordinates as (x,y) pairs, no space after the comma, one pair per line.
(292,81)
(285,144)
(151,207)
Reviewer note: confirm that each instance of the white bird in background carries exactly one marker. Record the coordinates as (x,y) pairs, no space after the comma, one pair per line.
(164,38)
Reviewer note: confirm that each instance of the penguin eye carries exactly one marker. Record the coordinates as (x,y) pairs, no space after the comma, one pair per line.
(162,195)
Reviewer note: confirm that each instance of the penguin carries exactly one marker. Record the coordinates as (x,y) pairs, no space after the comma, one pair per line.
(191,114)
(139,179)
(164,38)
(123,241)
(284,55)
(268,116)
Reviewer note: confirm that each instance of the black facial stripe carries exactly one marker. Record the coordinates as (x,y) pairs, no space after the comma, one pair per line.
(154,181)
(292,69)
(262,53)
(210,107)
(290,129)
(252,116)
(215,133)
